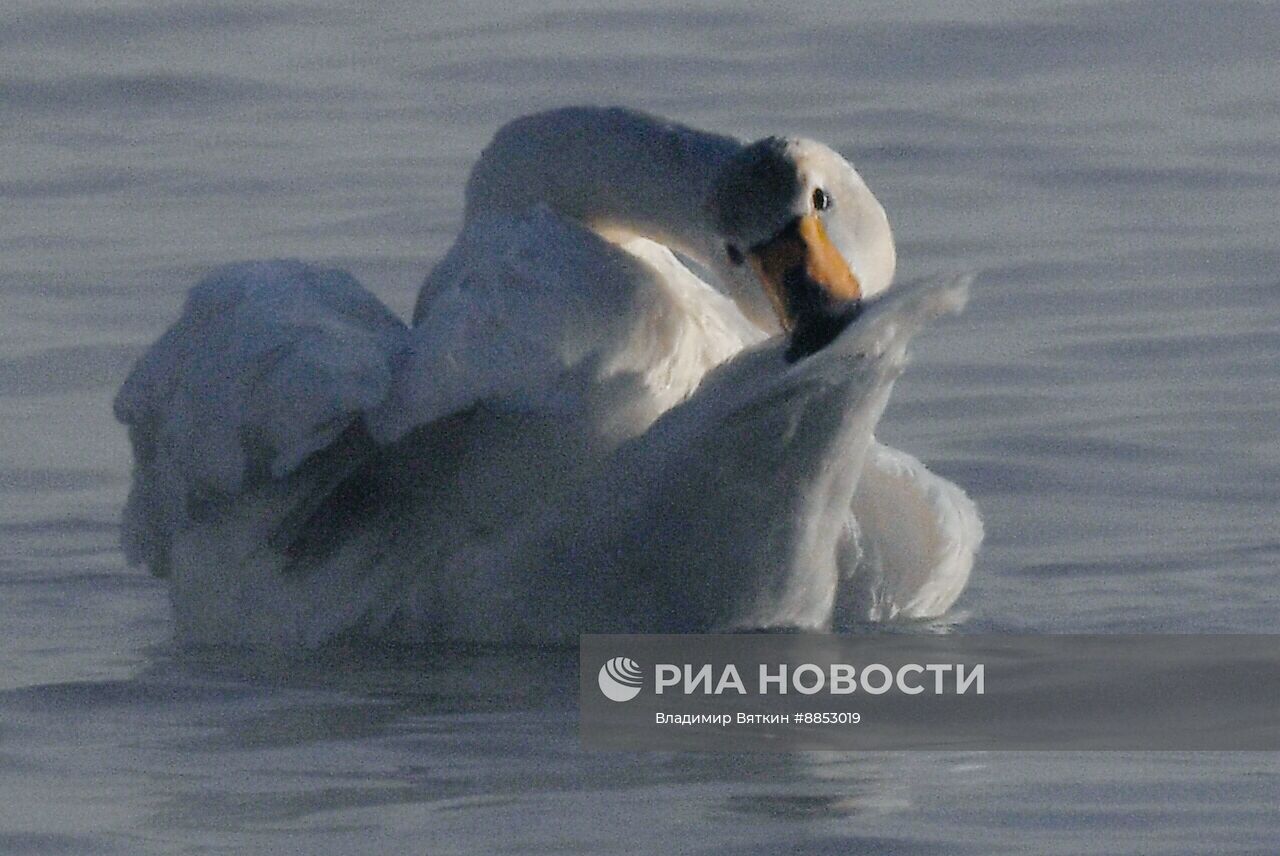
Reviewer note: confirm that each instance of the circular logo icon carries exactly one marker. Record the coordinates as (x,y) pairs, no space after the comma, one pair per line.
(620,679)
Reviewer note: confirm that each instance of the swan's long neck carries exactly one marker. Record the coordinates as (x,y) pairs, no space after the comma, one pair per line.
(616,170)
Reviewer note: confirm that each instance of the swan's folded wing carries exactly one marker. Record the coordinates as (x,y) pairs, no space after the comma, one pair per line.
(269,363)
(917,534)
(536,313)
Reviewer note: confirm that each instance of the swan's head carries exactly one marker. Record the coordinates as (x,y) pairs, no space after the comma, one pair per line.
(801,229)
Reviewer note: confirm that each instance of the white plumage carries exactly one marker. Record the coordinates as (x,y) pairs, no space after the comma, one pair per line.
(577,434)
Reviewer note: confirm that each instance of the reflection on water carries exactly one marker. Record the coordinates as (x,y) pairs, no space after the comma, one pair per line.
(1109,170)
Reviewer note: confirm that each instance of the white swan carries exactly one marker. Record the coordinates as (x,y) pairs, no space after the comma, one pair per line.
(577,433)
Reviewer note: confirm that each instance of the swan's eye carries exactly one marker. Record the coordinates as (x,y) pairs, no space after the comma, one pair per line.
(821,201)
(734,254)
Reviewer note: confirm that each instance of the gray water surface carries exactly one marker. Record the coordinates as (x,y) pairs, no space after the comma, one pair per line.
(1109,170)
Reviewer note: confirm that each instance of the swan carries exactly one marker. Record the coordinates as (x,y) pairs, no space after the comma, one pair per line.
(577,433)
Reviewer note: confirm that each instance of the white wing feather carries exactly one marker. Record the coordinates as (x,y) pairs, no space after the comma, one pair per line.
(269,362)
(917,536)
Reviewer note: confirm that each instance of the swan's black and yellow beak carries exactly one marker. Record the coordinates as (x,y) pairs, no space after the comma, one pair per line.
(809,284)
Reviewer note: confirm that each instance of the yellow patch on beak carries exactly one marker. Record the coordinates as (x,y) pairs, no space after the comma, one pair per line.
(802,248)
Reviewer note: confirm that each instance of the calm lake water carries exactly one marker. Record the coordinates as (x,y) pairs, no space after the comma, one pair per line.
(1111,399)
